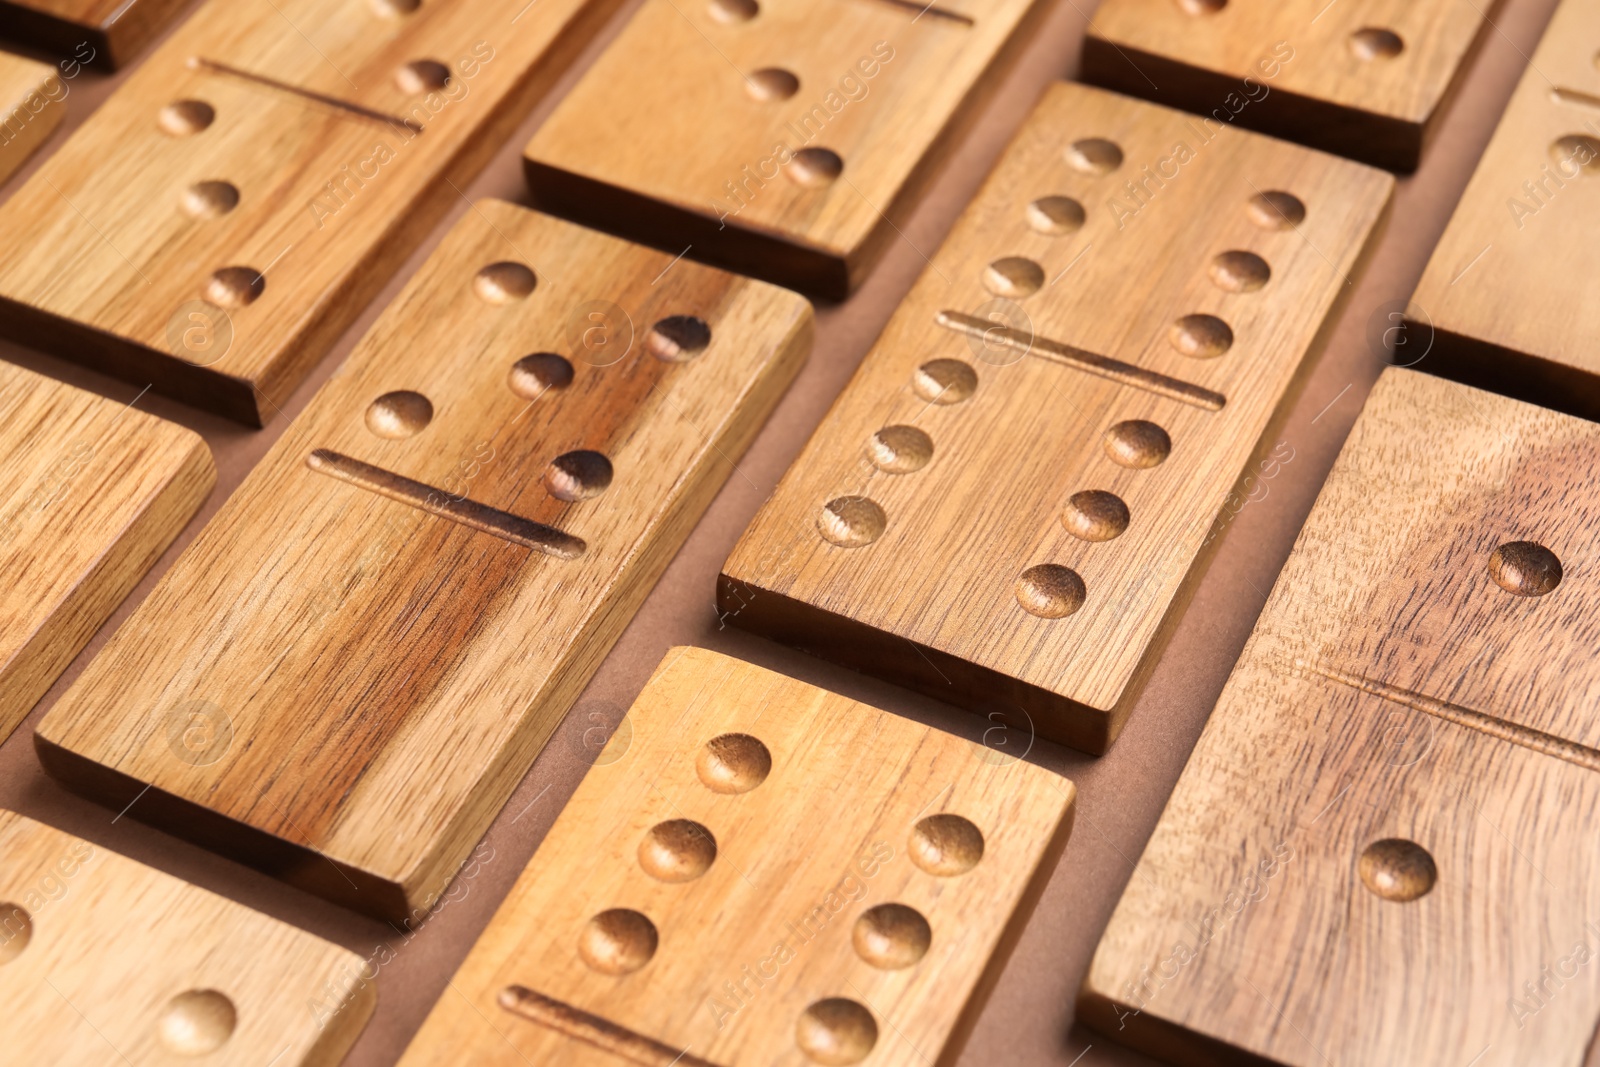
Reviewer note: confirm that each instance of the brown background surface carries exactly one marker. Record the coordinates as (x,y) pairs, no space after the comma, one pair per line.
(1030,1017)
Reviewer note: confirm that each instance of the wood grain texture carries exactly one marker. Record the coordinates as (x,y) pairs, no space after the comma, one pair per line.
(91,493)
(316,156)
(341,685)
(115,30)
(1367,79)
(802,864)
(695,127)
(32,104)
(972,488)
(1505,301)
(107,961)
(1404,684)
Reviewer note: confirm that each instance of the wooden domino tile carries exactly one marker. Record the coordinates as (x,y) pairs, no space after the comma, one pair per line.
(91,493)
(1380,851)
(114,31)
(1367,80)
(345,676)
(1505,303)
(757,871)
(106,961)
(1003,507)
(231,208)
(784,139)
(32,104)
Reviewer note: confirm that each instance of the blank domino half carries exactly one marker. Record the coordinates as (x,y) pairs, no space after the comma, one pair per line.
(106,961)
(91,493)
(1003,506)
(785,139)
(345,676)
(237,201)
(32,104)
(1381,850)
(756,872)
(1368,80)
(109,32)
(1507,299)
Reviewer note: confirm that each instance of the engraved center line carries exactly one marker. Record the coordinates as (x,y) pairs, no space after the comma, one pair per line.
(929,9)
(199,63)
(1082,359)
(594,1030)
(1575,98)
(1490,725)
(481,517)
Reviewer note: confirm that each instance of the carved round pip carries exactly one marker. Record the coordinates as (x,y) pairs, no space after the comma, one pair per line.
(197,1023)
(581,474)
(678,338)
(618,941)
(891,937)
(422,76)
(1050,591)
(1013,277)
(836,1032)
(815,168)
(900,449)
(401,413)
(1201,336)
(184,118)
(1095,515)
(945,845)
(734,11)
(394,8)
(770,84)
(235,287)
(1398,870)
(1576,154)
(1238,271)
(733,763)
(1137,444)
(503,282)
(532,376)
(1375,42)
(1525,568)
(678,850)
(944,381)
(209,199)
(1202,7)
(1275,210)
(1094,155)
(1056,216)
(851,521)
(16,930)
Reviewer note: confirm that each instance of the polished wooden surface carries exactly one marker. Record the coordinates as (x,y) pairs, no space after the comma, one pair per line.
(1387,817)
(784,139)
(1506,303)
(1368,79)
(108,961)
(772,846)
(1029,1019)
(1004,506)
(106,33)
(223,216)
(32,101)
(91,495)
(380,630)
